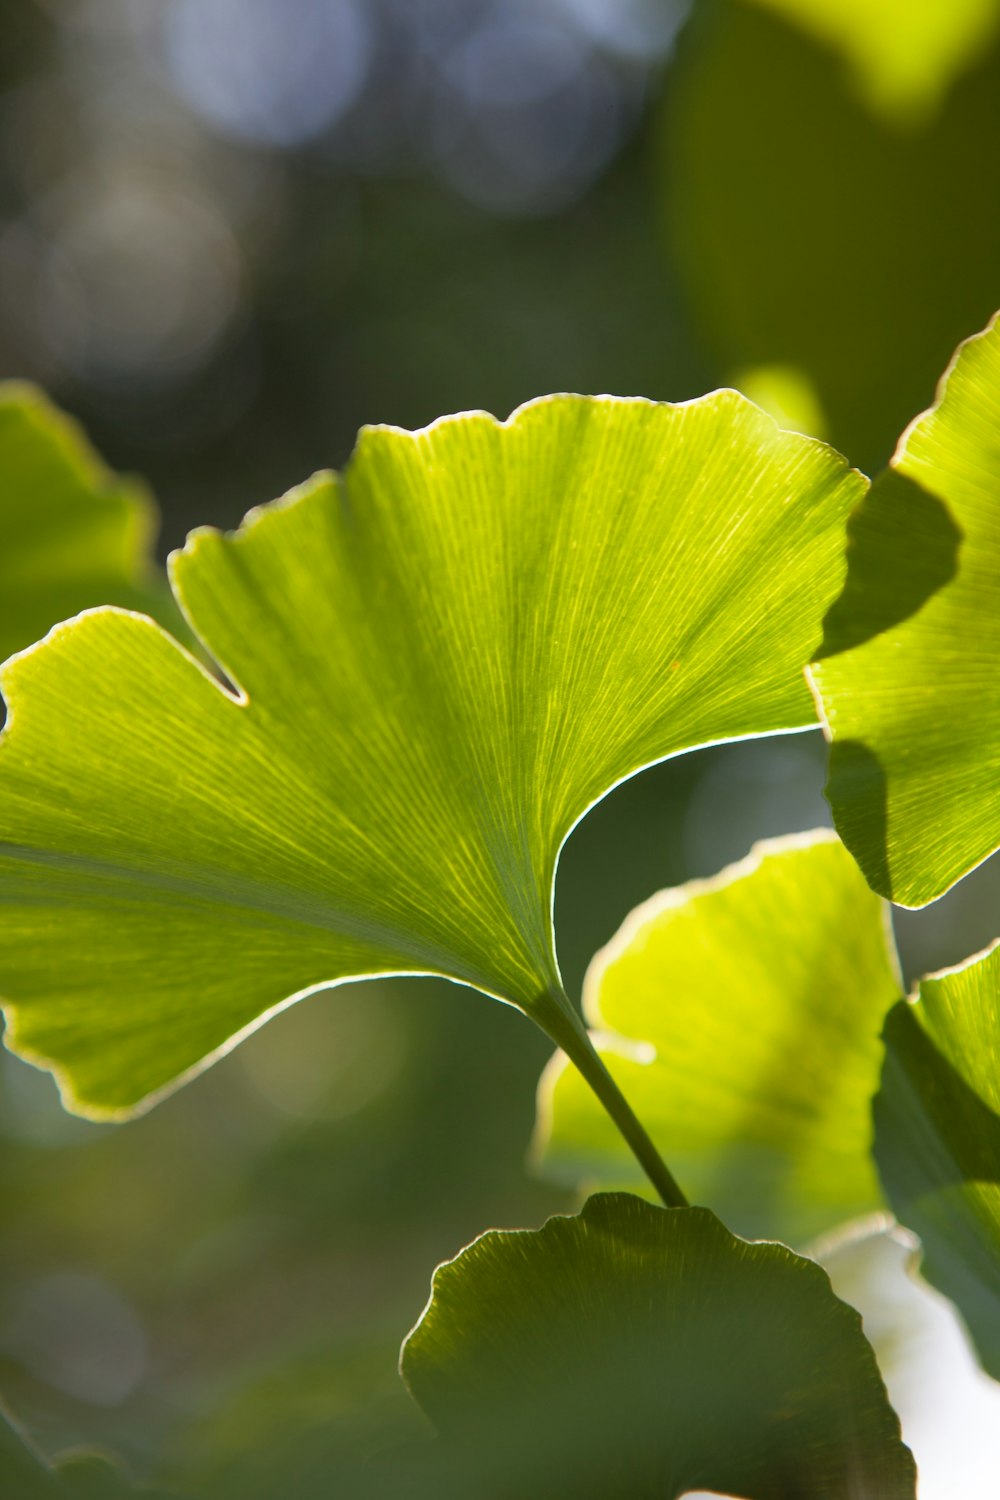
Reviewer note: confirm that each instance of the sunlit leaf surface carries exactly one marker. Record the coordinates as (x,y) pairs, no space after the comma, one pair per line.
(439,662)
(912,700)
(741,1016)
(72,534)
(937,1122)
(647,1352)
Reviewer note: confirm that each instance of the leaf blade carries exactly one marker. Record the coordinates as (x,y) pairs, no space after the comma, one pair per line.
(911,712)
(440,662)
(937,1137)
(74,534)
(745,1031)
(612,1353)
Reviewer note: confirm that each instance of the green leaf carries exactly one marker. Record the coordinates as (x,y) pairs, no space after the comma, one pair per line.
(645,1352)
(937,1137)
(817,236)
(741,1017)
(442,660)
(904,53)
(72,535)
(910,700)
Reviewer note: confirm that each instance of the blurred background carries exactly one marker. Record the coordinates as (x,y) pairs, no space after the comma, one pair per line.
(233,231)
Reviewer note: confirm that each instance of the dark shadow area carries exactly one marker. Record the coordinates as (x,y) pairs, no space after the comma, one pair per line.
(581,1365)
(937,1145)
(923,1105)
(856,787)
(902,547)
(815,232)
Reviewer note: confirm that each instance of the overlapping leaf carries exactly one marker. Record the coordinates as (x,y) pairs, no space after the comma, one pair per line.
(741,1017)
(813,233)
(647,1352)
(937,1121)
(72,535)
(440,661)
(912,700)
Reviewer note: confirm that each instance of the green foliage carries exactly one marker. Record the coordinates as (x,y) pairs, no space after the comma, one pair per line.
(427,671)
(741,1018)
(441,661)
(645,1352)
(909,698)
(72,535)
(421,675)
(817,235)
(938,1137)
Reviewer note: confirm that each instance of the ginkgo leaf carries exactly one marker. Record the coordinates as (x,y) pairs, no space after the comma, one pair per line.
(937,1136)
(910,700)
(72,534)
(647,1352)
(440,661)
(816,236)
(741,1017)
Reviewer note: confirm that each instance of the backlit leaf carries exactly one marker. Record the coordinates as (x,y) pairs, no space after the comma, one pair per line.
(912,700)
(741,1017)
(440,662)
(72,534)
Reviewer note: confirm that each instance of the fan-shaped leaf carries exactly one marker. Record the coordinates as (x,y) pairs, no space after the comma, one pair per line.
(911,700)
(72,535)
(647,1352)
(741,1017)
(441,660)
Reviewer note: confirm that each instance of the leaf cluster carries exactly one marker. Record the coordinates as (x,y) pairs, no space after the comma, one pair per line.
(394,694)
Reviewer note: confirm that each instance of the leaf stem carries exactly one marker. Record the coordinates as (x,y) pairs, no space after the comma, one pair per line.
(571,1035)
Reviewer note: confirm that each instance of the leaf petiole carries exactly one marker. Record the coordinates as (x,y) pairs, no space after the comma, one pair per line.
(566,1029)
